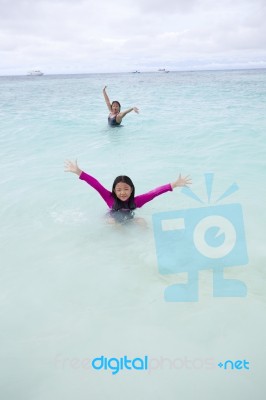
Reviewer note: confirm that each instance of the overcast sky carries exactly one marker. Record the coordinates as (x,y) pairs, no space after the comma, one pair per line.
(76,36)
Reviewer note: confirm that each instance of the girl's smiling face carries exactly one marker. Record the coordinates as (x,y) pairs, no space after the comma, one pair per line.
(123,191)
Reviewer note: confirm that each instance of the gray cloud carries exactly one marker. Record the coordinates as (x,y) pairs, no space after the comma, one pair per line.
(83,36)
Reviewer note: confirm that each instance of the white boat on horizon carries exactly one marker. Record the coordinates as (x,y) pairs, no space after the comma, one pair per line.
(35,72)
(163,70)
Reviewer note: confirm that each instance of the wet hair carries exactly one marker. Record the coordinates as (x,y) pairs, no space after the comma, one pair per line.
(117,102)
(118,204)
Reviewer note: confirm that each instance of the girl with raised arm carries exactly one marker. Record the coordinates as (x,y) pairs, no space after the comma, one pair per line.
(122,200)
(116,115)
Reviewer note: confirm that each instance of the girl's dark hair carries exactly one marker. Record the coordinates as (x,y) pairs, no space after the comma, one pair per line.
(115,101)
(118,204)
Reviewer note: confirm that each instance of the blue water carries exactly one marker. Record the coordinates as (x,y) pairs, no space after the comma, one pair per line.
(73,287)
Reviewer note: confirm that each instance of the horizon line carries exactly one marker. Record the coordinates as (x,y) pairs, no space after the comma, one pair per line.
(143,72)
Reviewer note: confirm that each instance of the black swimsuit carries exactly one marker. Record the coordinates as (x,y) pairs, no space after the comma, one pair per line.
(122,215)
(112,121)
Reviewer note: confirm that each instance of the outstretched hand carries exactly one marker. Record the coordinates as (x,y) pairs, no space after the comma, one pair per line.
(136,110)
(104,87)
(181,182)
(72,166)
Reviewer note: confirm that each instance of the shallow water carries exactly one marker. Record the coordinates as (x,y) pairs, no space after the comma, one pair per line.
(74,288)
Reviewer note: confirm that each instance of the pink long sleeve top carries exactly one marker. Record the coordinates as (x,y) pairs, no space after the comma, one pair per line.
(107,195)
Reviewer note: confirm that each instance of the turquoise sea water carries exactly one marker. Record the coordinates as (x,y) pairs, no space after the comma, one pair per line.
(74,288)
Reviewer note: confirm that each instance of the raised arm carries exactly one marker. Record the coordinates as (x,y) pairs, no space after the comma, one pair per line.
(181,182)
(73,167)
(121,115)
(106,98)
(103,192)
(146,197)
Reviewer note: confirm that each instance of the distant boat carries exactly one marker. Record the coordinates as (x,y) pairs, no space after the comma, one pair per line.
(163,70)
(35,72)
(135,72)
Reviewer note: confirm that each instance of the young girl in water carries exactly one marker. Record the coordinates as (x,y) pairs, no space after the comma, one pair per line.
(122,200)
(116,115)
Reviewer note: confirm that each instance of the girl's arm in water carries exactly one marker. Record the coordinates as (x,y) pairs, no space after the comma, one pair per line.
(121,115)
(146,197)
(107,100)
